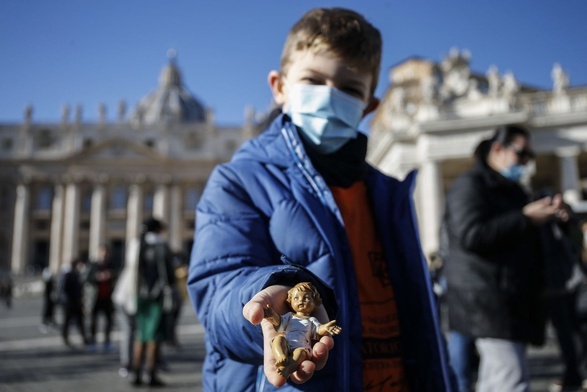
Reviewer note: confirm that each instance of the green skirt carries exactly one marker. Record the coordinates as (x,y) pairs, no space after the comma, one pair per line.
(149,320)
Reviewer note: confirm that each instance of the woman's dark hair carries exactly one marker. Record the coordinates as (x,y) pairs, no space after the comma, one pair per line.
(503,135)
(506,134)
(482,150)
(150,225)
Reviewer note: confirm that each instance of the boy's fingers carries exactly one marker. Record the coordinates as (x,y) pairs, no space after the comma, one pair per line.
(327,341)
(320,351)
(273,377)
(268,361)
(253,311)
(304,372)
(274,296)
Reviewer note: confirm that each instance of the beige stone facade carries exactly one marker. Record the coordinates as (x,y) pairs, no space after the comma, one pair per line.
(434,114)
(68,187)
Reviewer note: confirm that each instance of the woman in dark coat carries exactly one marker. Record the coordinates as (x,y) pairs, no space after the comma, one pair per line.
(495,274)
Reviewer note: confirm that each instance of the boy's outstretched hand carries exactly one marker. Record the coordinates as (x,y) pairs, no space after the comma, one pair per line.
(254,312)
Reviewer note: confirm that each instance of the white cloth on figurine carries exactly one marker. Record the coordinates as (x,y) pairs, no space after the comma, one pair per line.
(299,331)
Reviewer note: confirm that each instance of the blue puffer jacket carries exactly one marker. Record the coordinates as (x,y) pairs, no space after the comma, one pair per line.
(268,217)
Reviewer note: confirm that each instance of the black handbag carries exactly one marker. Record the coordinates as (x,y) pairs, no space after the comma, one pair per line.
(169,300)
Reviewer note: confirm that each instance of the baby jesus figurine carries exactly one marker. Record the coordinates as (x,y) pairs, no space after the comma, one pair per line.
(298,330)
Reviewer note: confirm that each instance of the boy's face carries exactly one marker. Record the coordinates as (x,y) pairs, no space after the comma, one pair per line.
(303,302)
(307,67)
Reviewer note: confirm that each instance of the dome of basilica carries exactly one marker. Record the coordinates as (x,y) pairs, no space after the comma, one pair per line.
(171,102)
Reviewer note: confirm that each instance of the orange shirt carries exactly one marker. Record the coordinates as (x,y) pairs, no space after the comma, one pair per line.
(383,368)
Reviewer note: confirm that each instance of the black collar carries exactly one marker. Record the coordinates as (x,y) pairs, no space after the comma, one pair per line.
(343,167)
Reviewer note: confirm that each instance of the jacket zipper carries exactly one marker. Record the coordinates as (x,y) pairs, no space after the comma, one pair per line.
(318,189)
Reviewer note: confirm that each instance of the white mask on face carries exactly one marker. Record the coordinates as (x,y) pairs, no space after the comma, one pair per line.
(514,172)
(327,116)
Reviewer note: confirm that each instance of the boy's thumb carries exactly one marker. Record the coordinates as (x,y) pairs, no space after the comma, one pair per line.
(253,312)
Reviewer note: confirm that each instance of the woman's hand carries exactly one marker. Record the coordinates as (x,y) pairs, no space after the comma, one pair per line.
(254,312)
(546,209)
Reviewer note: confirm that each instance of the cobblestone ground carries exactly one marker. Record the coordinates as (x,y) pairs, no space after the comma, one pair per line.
(32,360)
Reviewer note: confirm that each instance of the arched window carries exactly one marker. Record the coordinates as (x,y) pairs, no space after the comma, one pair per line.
(118,195)
(44,198)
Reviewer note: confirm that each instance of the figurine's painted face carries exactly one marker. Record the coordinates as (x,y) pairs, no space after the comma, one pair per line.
(303,302)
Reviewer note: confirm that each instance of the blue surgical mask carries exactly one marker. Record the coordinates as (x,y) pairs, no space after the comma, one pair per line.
(515,172)
(327,116)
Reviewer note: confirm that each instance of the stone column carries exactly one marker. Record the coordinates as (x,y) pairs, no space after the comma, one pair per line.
(431,202)
(134,212)
(97,219)
(55,247)
(71,223)
(20,234)
(161,203)
(570,178)
(176,218)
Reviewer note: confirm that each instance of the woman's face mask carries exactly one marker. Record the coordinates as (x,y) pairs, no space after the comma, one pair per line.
(327,116)
(514,172)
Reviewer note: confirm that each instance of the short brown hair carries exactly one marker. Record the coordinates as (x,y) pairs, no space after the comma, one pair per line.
(338,31)
(305,287)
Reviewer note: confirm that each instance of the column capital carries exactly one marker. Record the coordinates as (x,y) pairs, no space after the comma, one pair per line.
(568,151)
(99,178)
(137,179)
(163,179)
(25,179)
(72,178)
(56,179)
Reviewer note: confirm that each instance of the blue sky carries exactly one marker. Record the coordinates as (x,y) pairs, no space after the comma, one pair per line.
(87,52)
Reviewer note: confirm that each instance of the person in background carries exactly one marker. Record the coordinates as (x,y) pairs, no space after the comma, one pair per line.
(125,299)
(562,243)
(99,279)
(6,288)
(495,274)
(181,276)
(461,347)
(583,226)
(49,297)
(71,298)
(155,281)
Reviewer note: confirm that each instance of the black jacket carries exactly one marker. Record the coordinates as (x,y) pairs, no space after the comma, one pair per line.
(495,265)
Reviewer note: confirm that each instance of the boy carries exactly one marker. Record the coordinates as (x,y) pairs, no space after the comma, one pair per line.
(300,204)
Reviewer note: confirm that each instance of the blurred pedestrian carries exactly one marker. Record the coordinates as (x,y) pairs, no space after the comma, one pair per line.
(6,288)
(496,270)
(99,282)
(562,241)
(155,281)
(583,226)
(49,299)
(125,299)
(461,346)
(180,293)
(71,298)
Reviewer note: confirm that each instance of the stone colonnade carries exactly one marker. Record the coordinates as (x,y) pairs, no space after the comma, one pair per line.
(66,207)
